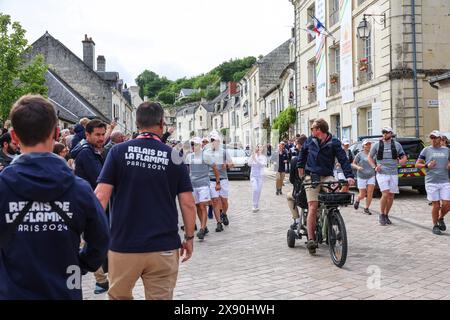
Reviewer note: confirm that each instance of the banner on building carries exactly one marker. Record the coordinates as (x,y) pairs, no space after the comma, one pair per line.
(346,51)
(321,65)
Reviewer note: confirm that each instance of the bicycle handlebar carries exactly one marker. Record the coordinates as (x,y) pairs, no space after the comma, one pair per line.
(327,183)
(330,185)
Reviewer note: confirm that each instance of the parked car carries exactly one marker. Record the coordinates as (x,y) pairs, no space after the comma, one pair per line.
(240,161)
(408,174)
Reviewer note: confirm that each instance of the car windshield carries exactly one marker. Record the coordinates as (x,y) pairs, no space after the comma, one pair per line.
(237,153)
(412,148)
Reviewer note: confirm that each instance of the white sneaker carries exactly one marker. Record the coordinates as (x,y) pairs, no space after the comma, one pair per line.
(255,209)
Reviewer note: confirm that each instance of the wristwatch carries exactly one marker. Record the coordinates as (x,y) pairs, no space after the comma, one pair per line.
(187,238)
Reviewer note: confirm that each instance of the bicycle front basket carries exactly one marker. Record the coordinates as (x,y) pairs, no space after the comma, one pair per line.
(336,199)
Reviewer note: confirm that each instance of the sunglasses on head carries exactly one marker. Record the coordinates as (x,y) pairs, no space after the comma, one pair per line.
(433,137)
(385,131)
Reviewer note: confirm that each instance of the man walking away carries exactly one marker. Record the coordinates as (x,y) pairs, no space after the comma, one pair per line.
(199,164)
(144,217)
(44,209)
(222,158)
(282,156)
(384,157)
(436,161)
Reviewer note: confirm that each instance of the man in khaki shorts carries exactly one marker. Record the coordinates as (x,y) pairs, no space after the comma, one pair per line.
(317,159)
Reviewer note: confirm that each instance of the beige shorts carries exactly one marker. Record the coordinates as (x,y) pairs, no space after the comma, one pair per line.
(312,194)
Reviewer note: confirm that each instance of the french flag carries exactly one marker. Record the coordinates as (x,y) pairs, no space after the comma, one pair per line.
(318,26)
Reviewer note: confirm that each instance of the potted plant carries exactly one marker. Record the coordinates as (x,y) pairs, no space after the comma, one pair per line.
(312,87)
(363,64)
(334,78)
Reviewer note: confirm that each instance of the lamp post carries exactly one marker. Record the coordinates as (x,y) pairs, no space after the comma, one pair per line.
(363,27)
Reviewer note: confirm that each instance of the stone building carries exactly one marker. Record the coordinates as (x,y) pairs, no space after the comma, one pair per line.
(261,78)
(359,84)
(94,88)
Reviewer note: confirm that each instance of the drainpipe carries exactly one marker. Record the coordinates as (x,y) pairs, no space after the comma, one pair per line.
(416,98)
(296,96)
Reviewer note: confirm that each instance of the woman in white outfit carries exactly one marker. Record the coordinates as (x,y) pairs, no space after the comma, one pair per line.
(257,162)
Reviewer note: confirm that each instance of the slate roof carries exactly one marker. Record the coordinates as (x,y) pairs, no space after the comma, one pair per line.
(271,66)
(110,76)
(189,108)
(70,105)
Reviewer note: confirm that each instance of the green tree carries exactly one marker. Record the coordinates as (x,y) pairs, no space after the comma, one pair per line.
(285,120)
(227,70)
(151,83)
(212,93)
(18,76)
(166,97)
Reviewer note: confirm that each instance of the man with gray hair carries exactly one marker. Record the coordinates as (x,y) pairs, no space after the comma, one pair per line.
(116,138)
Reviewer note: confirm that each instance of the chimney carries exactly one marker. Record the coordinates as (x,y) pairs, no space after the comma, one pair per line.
(232,88)
(101,63)
(89,52)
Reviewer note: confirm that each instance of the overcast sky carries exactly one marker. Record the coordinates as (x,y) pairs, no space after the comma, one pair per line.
(174,38)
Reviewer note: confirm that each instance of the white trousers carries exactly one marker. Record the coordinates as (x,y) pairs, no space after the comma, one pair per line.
(257,183)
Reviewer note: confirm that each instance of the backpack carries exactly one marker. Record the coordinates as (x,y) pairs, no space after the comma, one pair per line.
(381,150)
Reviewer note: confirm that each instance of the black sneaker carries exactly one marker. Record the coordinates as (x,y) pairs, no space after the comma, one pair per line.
(437,230)
(101,287)
(294,226)
(224,218)
(367,211)
(206,231)
(311,246)
(277,193)
(219,227)
(441,224)
(356,205)
(382,219)
(388,221)
(201,234)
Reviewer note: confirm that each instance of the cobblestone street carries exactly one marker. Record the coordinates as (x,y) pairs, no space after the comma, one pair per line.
(251,260)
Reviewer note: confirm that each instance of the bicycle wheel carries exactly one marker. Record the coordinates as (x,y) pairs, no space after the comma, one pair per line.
(291,238)
(337,238)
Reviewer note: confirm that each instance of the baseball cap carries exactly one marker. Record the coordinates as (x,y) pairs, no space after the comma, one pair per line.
(196,140)
(365,141)
(214,135)
(388,129)
(345,141)
(435,133)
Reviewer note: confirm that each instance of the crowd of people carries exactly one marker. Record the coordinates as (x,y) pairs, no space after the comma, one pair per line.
(105,202)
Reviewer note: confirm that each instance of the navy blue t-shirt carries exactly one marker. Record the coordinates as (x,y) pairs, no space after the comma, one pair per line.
(144,216)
